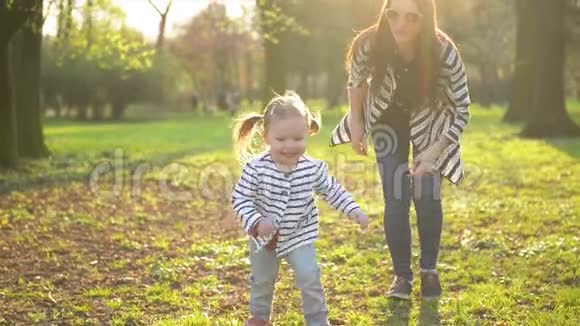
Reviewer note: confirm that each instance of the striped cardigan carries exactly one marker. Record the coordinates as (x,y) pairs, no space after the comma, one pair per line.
(448,119)
(288,198)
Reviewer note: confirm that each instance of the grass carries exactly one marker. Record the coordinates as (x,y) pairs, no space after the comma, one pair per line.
(163,249)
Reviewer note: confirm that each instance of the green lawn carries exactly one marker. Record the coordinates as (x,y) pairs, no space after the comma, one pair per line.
(164,249)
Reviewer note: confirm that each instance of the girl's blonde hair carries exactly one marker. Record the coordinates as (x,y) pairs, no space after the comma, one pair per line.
(281,106)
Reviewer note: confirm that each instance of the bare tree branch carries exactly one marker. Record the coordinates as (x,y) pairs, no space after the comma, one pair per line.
(168,6)
(159,11)
(45,16)
(155,7)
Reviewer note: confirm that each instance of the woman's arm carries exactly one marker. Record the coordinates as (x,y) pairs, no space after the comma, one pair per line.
(358,89)
(356,99)
(458,94)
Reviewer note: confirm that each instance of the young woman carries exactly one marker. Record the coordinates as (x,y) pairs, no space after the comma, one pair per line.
(407,85)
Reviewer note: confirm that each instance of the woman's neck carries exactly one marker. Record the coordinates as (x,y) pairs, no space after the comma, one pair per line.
(407,51)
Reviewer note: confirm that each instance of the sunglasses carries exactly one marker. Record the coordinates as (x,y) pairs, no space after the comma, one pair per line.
(410,17)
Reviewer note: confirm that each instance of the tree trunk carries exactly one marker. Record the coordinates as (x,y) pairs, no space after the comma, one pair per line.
(162,24)
(522,88)
(98,111)
(334,85)
(82,112)
(118,110)
(485,87)
(10,21)
(274,55)
(8,137)
(27,48)
(548,117)
(161,34)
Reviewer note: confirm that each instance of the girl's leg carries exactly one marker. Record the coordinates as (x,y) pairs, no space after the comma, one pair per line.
(264,265)
(307,273)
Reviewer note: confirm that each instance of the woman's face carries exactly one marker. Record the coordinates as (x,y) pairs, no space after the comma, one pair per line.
(405,20)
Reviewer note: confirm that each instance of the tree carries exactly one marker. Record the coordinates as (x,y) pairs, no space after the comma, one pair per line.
(523,81)
(548,116)
(218,52)
(484,31)
(162,24)
(13,16)
(96,60)
(275,64)
(27,62)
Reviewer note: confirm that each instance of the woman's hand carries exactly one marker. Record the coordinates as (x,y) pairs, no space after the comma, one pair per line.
(422,168)
(424,162)
(358,142)
(359,146)
(356,98)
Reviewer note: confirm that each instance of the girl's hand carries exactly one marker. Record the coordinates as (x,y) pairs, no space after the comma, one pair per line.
(265,227)
(361,218)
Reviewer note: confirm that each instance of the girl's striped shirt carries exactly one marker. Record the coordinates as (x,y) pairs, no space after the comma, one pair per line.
(288,198)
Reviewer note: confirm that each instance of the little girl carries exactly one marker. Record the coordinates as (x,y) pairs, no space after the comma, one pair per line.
(274,201)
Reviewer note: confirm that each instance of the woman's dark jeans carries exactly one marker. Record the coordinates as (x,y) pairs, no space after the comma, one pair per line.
(391,138)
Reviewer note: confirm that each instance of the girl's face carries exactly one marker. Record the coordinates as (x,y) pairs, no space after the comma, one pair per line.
(287,138)
(404,19)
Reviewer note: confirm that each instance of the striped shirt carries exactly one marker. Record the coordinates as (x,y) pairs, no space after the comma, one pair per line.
(288,199)
(447,116)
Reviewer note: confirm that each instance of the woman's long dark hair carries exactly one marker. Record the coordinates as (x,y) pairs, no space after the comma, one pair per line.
(383,49)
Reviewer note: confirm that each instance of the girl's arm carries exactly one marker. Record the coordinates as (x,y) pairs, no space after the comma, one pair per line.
(333,192)
(243,198)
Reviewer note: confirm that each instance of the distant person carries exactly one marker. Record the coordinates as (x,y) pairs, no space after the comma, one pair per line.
(195,101)
(274,201)
(407,84)
(222,102)
(234,102)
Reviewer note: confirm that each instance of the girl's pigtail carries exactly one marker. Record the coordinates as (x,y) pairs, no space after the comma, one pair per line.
(244,131)
(315,123)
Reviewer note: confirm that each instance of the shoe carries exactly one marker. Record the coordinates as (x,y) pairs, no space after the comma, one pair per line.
(430,285)
(401,288)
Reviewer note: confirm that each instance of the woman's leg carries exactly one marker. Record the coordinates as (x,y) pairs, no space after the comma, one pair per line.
(427,199)
(392,149)
(264,265)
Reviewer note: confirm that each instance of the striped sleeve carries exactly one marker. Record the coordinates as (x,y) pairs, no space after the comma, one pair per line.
(332,191)
(243,197)
(359,65)
(457,92)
